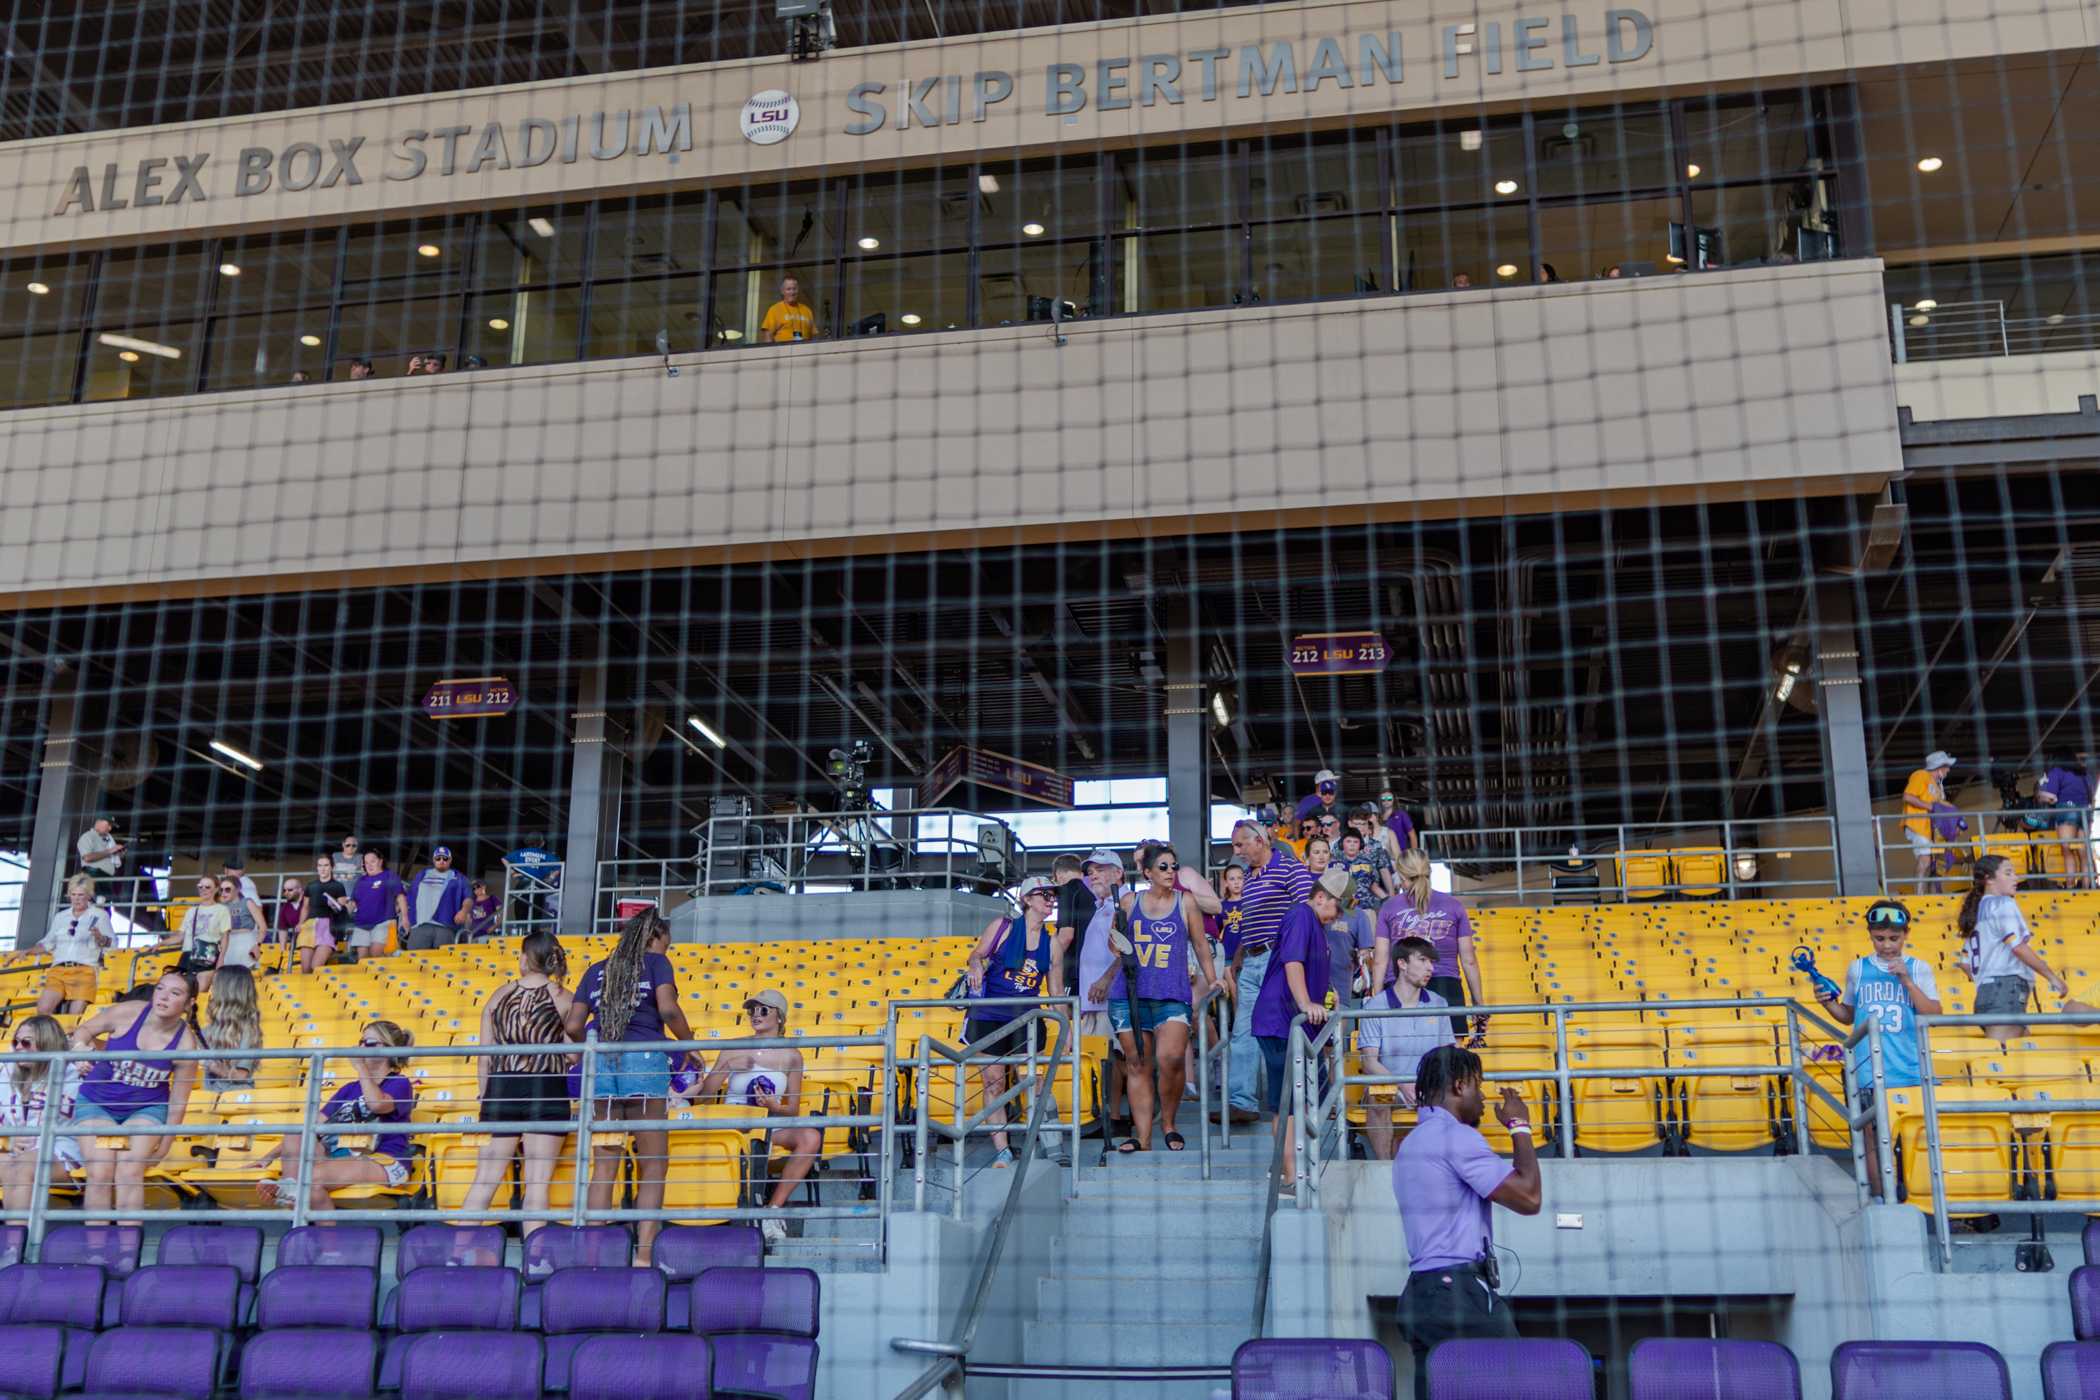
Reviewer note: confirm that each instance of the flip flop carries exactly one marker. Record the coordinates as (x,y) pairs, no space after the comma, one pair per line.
(1176,1142)
(1128,1147)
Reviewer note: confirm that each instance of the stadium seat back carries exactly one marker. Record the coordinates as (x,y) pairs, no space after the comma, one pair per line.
(2071,1371)
(1537,1369)
(470,1366)
(183,1295)
(603,1300)
(32,1360)
(174,1361)
(1900,1370)
(779,1368)
(317,1295)
(237,1246)
(641,1368)
(448,1246)
(114,1248)
(1311,1368)
(58,1295)
(357,1246)
(784,1302)
(474,1297)
(554,1247)
(13,1240)
(314,1364)
(2085,1303)
(1698,1368)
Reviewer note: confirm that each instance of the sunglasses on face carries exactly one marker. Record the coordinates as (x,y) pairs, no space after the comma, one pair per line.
(25,1045)
(1887,918)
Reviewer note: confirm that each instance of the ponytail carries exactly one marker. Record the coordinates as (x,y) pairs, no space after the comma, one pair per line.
(1987,867)
(1413,866)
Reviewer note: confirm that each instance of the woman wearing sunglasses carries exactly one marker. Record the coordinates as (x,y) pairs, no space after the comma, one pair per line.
(75,939)
(381,1093)
(1014,958)
(23,1088)
(769,1078)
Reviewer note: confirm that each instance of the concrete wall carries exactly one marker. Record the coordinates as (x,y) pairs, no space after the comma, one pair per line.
(1728,384)
(878,914)
(2000,387)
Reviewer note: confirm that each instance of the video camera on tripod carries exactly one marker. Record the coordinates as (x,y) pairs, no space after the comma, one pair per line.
(848,772)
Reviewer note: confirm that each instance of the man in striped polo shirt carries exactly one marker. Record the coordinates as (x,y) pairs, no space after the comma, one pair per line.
(1276,881)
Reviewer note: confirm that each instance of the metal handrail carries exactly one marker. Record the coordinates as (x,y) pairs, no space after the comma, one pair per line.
(1218,991)
(1289,1096)
(1523,850)
(775,850)
(1897,856)
(1063,1010)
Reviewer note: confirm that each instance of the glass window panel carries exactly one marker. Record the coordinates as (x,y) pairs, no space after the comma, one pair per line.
(1320,258)
(410,253)
(1175,187)
(655,237)
(1745,138)
(1058,198)
(1601,151)
(626,317)
(1462,248)
(285,269)
(525,328)
(914,212)
(1016,284)
(1458,163)
(1763,224)
(266,348)
(737,294)
(1182,272)
(388,332)
(797,223)
(37,369)
(1333,173)
(1580,241)
(62,302)
(929,293)
(144,288)
(123,365)
(531,247)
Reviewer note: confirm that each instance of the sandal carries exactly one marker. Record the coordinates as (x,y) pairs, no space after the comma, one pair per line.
(1176,1142)
(1128,1147)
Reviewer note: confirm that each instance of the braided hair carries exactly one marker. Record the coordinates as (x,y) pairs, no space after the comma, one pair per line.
(1442,1069)
(623,974)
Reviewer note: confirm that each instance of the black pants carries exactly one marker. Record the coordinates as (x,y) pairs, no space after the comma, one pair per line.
(1445,1304)
(1453,990)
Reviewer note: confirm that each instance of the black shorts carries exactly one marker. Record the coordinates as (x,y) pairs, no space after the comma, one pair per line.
(528,1098)
(1010,1033)
(196,966)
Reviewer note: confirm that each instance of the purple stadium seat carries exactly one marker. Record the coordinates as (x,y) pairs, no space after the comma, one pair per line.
(353,1246)
(471,1366)
(554,1247)
(112,1248)
(65,1297)
(2071,1371)
(13,1239)
(579,1304)
(238,1245)
(2089,1241)
(2085,1303)
(182,1295)
(780,1301)
(314,1364)
(443,1247)
(1889,1370)
(1311,1368)
(684,1252)
(640,1368)
(455,1301)
(1542,1368)
(32,1358)
(177,1361)
(317,1295)
(778,1368)
(1697,1368)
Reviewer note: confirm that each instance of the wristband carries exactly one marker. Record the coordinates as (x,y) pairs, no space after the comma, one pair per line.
(1524,1128)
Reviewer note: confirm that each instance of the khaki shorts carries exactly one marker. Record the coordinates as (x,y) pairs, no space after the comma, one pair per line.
(72,981)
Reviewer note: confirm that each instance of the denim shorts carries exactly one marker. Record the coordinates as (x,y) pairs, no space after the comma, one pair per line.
(87,1113)
(1276,1067)
(1152,1013)
(632,1074)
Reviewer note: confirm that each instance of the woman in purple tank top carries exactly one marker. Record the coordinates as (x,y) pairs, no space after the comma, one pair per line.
(1152,1019)
(134,1092)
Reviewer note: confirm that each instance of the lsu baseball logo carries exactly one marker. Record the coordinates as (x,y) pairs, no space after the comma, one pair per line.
(770,117)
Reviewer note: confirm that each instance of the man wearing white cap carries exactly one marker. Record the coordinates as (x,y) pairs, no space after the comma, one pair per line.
(1103,873)
(1927,787)
(1325,798)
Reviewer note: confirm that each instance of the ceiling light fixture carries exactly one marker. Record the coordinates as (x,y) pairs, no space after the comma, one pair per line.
(1033,230)
(310,341)
(870,242)
(707,731)
(1470,140)
(129,357)
(229,269)
(1930,164)
(38,289)
(1505,187)
(229,751)
(1921,320)
(910,318)
(988,184)
(144,347)
(732,335)
(1691,172)
(540,226)
(429,250)
(2057,319)
(1221,708)
(497,323)
(1928,304)
(1506,270)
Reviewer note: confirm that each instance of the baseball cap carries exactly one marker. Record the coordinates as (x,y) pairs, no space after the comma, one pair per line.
(1030,885)
(1335,882)
(768,997)
(1105,858)
(1326,776)
(1939,758)
(441,853)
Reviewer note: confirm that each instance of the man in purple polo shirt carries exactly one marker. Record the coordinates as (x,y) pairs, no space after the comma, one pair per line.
(1296,985)
(1444,1178)
(1277,881)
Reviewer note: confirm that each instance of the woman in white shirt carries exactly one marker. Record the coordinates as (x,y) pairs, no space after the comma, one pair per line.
(22,1095)
(1998,948)
(79,932)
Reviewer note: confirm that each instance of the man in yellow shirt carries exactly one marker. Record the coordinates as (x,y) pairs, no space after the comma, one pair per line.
(790,318)
(1926,786)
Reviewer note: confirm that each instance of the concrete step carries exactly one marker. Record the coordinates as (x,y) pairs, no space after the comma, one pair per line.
(1102,1296)
(1172,1222)
(1151,1261)
(1142,1342)
(1121,1390)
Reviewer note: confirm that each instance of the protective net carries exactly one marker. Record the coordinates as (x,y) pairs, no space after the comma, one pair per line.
(1299,700)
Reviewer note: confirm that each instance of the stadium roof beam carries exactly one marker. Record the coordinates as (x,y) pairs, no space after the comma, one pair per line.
(74,115)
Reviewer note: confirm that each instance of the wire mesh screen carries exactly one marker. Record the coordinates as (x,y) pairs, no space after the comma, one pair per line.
(1293,700)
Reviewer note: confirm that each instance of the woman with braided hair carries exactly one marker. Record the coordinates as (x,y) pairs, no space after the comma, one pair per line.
(632,996)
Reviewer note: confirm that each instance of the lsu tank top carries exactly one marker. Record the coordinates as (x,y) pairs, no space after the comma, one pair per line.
(1162,946)
(130,1085)
(1016,970)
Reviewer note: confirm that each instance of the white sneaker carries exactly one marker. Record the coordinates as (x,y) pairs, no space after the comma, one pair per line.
(774,1229)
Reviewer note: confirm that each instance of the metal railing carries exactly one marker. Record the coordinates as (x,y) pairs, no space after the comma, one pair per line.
(1958,330)
(2042,852)
(1698,860)
(930,848)
(531,900)
(1213,1067)
(642,880)
(1030,1074)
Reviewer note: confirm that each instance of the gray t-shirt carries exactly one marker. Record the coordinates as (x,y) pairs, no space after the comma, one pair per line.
(1400,1042)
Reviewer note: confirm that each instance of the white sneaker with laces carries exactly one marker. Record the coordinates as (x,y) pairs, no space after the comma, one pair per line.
(774,1229)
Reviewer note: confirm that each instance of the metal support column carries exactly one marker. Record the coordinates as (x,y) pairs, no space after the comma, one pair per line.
(68,787)
(1838,711)
(1188,749)
(597,769)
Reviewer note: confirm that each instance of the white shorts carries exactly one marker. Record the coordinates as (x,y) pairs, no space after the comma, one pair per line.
(1919,844)
(374,937)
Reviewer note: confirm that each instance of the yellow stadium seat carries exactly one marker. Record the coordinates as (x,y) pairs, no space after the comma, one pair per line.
(705,1174)
(1617,1115)
(1977,1150)
(1644,874)
(1727,1113)
(1702,872)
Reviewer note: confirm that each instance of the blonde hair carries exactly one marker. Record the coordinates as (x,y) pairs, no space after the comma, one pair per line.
(232,1020)
(1413,866)
(48,1035)
(389,1034)
(81,884)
